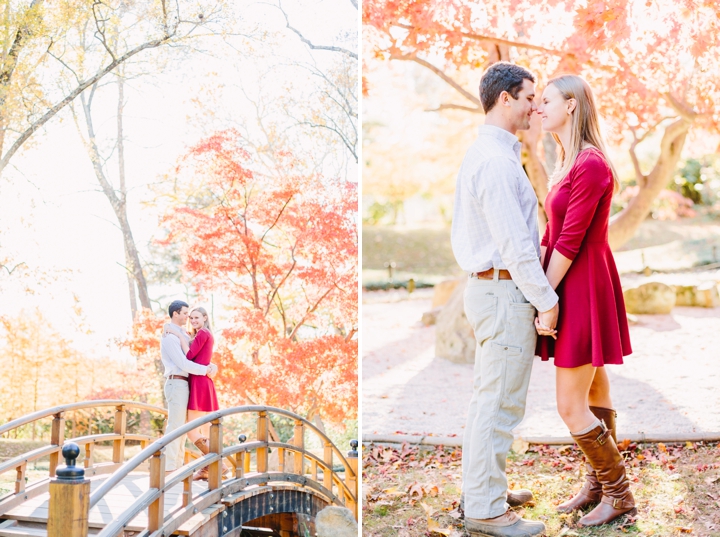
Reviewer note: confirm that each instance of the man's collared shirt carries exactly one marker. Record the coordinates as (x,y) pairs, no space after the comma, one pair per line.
(495,216)
(174,359)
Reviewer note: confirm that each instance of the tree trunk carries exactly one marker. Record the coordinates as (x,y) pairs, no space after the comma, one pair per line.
(117,199)
(624,225)
(533,165)
(22,34)
(121,174)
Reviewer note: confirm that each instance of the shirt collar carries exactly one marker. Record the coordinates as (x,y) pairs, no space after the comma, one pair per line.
(504,136)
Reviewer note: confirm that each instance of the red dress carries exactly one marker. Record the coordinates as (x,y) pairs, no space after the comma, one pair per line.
(592,326)
(202,390)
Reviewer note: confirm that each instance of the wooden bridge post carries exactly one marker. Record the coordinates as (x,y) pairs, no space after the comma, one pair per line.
(240,459)
(69,506)
(352,481)
(120,428)
(215,469)
(156,510)
(299,442)
(327,471)
(262,436)
(20,472)
(57,437)
(89,454)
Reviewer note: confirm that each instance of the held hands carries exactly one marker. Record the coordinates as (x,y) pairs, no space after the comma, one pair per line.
(212,370)
(546,322)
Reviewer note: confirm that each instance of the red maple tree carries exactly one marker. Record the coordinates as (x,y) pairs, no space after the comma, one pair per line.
(280,246)
(653,66)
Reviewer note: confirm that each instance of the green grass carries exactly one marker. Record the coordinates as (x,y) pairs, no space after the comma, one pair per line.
(424,254)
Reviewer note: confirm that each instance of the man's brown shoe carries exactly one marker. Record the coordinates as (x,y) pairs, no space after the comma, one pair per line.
(508,524)
(515,498)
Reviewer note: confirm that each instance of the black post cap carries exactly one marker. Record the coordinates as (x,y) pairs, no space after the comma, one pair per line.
(354,445)
(70,451)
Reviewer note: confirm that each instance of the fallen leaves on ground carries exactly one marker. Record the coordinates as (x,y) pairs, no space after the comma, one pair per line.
(415,492)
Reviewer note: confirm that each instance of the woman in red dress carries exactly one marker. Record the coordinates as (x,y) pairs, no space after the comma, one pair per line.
(592,328)
(203,398)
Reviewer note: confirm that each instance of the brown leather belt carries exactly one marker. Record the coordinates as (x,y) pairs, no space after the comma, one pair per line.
(177,377)
(488,275)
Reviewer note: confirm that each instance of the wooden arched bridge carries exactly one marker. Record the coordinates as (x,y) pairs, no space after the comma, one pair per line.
(263,496)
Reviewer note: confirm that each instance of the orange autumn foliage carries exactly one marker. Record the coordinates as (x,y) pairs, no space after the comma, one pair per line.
(281,246)
(144,382)
(41,367)
(646,60)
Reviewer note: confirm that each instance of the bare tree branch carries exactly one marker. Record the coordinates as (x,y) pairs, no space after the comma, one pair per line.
(462,91)
(309,43)
(496,40)
(73,94)
(451,106)
(683,109)
(100,27)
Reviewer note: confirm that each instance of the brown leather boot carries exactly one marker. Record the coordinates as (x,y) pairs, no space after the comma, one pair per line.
(591,492)
(203,444)
(601,452)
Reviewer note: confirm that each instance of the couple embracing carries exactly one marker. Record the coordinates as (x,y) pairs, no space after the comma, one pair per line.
(557,298)
(189,389)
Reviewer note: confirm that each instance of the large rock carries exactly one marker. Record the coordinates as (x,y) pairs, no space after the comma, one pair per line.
(651,297)
(429,318)
(443,291)
(454,338)
(701,296)
(336,522)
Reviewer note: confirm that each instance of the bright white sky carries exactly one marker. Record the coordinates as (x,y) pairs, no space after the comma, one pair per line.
(52,215)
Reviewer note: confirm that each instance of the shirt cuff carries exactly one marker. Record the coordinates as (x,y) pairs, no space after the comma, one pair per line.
(546,302)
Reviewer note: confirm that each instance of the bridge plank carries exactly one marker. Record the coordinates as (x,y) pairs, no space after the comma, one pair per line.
(198,520)
(111,506)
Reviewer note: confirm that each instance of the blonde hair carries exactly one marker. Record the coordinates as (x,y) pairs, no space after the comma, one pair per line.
(206,324)
(585,127)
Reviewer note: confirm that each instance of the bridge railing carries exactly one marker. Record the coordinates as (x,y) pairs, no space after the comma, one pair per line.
(250,462)
(24,491)
(332,487)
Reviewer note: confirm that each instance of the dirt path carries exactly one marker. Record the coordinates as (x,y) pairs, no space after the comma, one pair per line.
(671,384)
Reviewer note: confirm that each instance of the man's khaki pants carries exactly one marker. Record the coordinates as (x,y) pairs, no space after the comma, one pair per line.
(177,393)
(503,322)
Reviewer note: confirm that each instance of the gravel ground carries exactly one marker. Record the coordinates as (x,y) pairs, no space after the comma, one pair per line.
(671,384)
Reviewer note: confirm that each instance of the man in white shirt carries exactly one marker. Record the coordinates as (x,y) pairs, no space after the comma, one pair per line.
(177,368)
(495,240)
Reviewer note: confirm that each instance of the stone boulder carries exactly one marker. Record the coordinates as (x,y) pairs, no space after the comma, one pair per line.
(429,318)
(454,338)
(702,296)
(443,291)
(336,522)
(651,297)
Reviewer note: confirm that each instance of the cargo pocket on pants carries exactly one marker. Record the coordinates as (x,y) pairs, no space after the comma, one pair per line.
(518,364)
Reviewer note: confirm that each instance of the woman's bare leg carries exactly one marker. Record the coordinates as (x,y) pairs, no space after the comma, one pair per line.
(200,432)
(600,390)
(572,390)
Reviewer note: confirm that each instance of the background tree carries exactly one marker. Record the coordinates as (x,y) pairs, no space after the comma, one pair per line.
(282,248)
(652,67)
(41,46)
(36,362)
(332,108)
